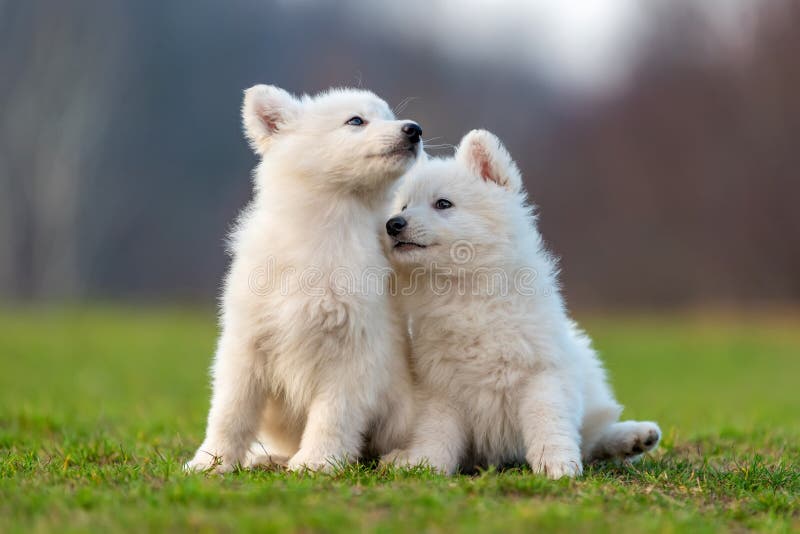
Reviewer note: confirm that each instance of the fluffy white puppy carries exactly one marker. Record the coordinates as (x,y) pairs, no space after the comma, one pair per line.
(504,375)
(312,359)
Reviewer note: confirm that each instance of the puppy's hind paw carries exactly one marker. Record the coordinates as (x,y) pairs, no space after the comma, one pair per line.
(644,437)
(397,457)
(626,440)
(408,459)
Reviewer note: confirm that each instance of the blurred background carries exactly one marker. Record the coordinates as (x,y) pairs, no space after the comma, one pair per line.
(658,138)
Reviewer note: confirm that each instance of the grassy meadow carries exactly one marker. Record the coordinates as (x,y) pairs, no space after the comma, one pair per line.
(100,406)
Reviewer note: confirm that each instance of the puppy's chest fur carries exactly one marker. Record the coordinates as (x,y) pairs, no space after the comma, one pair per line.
(321,296)
(479,355)
(474,345)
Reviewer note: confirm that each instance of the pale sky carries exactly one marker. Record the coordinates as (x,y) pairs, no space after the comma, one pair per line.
(578,45)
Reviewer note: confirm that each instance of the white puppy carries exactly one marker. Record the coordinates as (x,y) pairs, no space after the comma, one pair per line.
(504,375)
(312,359)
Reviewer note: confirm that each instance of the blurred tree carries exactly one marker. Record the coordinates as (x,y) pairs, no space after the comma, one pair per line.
(58,75)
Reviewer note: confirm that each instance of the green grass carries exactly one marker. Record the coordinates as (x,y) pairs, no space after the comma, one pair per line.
(99,407)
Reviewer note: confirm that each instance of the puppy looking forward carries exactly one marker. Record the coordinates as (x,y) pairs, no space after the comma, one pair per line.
(504,375)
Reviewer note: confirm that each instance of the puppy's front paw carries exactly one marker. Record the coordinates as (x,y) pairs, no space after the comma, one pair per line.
(320,463)
(267,460)
(208,462)
(556,464)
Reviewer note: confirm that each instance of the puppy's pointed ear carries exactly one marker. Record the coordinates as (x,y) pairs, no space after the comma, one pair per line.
(265,110)
(484,155)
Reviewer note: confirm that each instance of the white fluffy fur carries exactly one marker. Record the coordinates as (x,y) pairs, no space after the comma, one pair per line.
(306,364)
(503,376)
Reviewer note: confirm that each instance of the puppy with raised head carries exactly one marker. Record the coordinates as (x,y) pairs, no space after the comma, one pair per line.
(312,359)
(504,375)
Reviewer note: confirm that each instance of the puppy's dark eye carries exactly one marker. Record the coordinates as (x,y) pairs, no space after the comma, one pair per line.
(404,207)
(443,204)
(356,121)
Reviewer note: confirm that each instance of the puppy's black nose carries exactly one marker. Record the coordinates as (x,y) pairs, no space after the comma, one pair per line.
(395,225)
(412,131)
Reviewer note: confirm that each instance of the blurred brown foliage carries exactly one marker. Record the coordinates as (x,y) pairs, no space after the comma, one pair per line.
(686,184)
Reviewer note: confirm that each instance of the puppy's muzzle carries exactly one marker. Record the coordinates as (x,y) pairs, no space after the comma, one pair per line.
(395,225)
(412,131)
